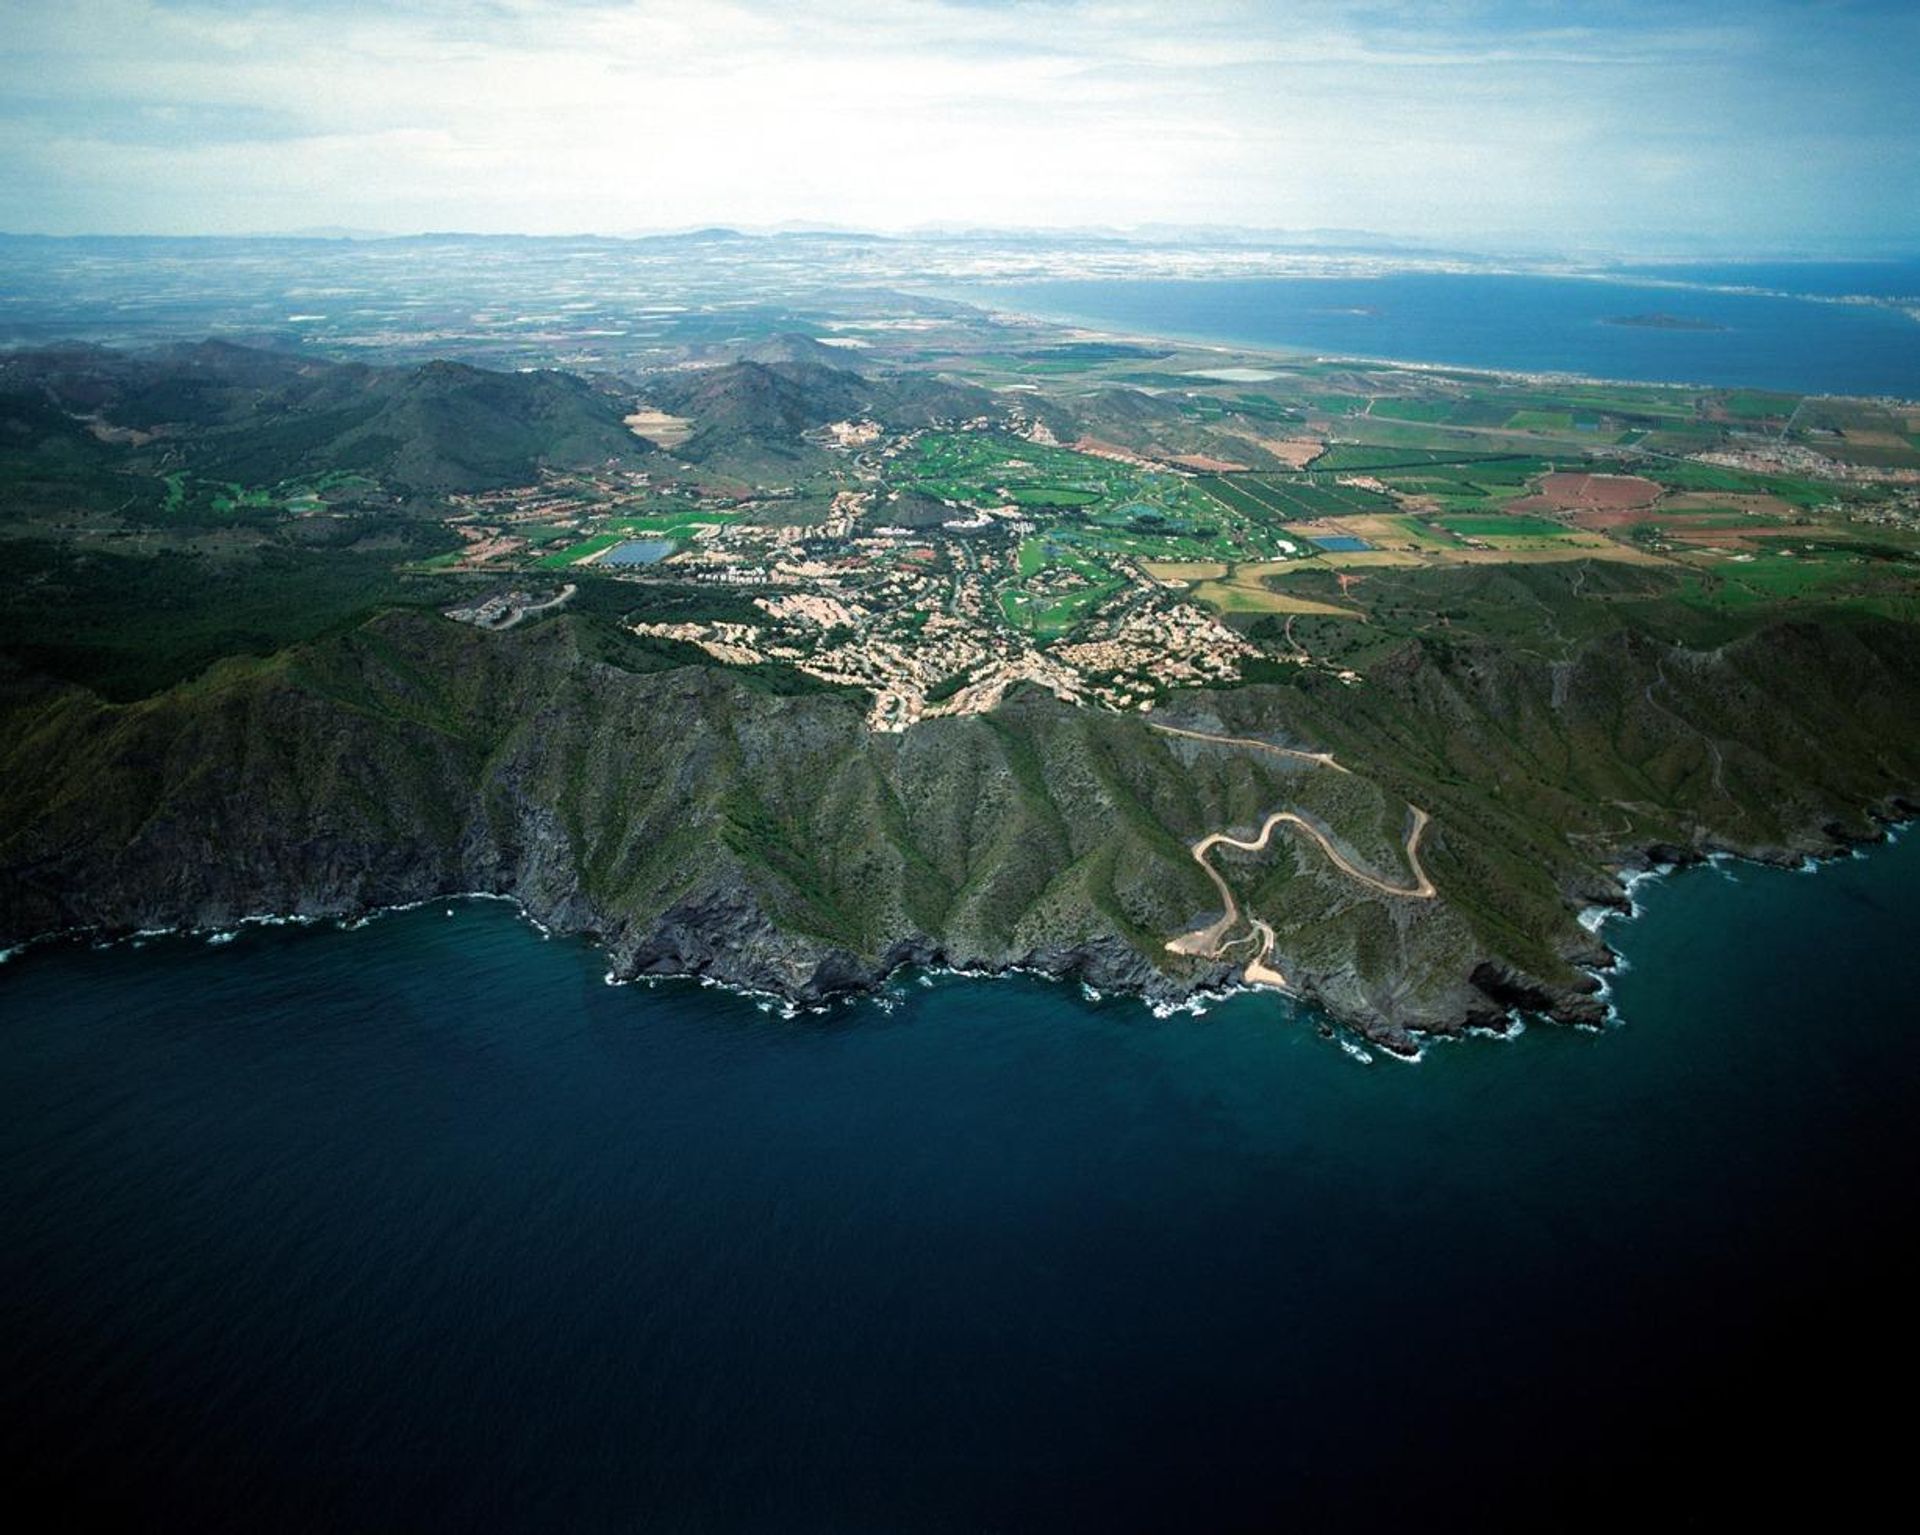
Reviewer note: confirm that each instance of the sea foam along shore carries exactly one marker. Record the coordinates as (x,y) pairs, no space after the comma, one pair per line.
(1196,1003)
(216,936)
(1632,879)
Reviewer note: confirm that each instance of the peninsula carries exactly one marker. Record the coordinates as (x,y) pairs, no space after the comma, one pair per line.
(920,635)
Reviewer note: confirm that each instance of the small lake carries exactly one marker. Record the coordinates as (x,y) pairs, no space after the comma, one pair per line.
(638,551)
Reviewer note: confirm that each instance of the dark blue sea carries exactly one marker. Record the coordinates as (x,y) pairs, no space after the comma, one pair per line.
(1792,340)
(420,1226)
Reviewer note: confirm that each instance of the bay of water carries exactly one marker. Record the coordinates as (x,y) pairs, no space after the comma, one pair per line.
(421,1226)
(1521,324)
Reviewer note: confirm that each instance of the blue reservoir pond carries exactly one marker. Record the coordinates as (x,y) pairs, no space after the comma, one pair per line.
(638,551)
(1792,340)
(420,1226)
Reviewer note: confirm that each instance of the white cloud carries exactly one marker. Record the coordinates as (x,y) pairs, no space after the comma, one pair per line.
(545,115)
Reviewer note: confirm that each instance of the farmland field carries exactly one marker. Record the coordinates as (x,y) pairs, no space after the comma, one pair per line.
(1516,526)
(1387,532)
(1245,589)
(1569,491)
(579,551)
(675,521)
(1184,570)
(1293,499)
(1753,405)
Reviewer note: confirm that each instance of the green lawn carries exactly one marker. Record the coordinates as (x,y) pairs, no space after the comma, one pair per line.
(1052,495)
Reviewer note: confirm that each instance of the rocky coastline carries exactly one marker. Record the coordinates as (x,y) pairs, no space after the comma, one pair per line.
(725,940)
(660,815)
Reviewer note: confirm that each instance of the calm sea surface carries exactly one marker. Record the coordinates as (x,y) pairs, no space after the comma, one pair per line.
(421,1226)
(1533,324)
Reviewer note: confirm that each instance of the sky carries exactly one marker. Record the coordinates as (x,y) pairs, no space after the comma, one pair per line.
(1723,125)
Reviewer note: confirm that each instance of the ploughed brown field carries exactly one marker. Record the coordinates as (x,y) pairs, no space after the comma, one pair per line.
(1294,452)
(1588,492)
(1604,521)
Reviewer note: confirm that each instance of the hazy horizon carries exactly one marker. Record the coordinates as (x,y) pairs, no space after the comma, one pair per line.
(1361,243)
(1481,125)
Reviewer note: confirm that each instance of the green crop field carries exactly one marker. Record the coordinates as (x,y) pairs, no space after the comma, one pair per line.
(1322,498)
(1404,436)
(579,551)
(1678,439)
(1412,410)
(1355,458)
(1614,400)
(1502,527)
(1425,486)
(1506,471)
(1336,404)
(1472,411)
(1421,536)
(1231,496)
(1753,405)
(1793,489)
(676,521)
(1293,499)
(1479,413)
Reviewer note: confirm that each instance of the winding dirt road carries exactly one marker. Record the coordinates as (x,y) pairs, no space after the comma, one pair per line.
(1211,942)
(1323,759)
